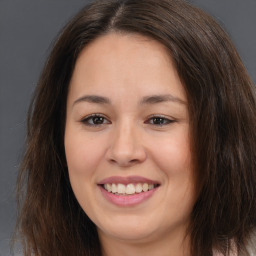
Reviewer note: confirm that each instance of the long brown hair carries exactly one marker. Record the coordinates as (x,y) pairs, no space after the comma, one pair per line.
(222,110)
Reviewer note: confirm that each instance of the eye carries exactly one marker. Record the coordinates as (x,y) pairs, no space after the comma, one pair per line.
(159,120)
(95,120)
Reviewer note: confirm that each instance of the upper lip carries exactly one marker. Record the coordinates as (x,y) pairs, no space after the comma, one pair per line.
(127,180)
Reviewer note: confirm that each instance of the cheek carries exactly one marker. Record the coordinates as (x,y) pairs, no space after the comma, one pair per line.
(82,154)
(173,157)
(173,154)
(83,157)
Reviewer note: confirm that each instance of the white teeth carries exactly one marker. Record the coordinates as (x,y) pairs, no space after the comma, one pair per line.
(145,187)
(129,189)
(138,188)
(150,186)
(109,188)
(120,188)
(114,188)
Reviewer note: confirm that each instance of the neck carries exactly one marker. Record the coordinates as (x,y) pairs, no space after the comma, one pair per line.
(167,245)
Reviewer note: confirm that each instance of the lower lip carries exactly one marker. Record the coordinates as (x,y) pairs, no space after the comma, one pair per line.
(128,200)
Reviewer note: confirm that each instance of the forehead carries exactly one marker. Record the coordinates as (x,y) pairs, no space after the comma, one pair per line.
(121,61)
(129,41)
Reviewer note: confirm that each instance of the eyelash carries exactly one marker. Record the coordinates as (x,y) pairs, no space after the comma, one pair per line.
(161,120)
(92,117)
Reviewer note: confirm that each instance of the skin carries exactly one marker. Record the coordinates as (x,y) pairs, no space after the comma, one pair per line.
(126,69)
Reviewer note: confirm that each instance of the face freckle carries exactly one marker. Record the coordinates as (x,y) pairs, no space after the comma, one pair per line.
(127,122)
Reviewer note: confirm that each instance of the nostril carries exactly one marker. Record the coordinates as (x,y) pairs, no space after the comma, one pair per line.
(124,162)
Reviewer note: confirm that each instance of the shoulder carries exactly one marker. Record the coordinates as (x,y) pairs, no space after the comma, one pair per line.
(251,248)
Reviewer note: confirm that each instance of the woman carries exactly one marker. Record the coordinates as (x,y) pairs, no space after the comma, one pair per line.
(141,138)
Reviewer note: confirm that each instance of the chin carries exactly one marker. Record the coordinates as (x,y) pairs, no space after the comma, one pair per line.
(129,233)
(129,228)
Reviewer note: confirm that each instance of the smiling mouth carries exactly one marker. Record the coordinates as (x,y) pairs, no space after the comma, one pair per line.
(128,189)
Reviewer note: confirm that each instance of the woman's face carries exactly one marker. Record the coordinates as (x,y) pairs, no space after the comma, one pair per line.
(127,139)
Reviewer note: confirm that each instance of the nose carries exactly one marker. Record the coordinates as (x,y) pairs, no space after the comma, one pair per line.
(126,147)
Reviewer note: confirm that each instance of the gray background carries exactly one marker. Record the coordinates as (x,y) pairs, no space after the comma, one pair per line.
(27,30)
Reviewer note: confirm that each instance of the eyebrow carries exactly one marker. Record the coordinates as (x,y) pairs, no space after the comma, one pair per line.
(153,99)
(93,99)
(161,98)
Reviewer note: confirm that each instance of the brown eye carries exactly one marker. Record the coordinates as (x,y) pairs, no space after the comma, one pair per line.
(159,121)
(95,120)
